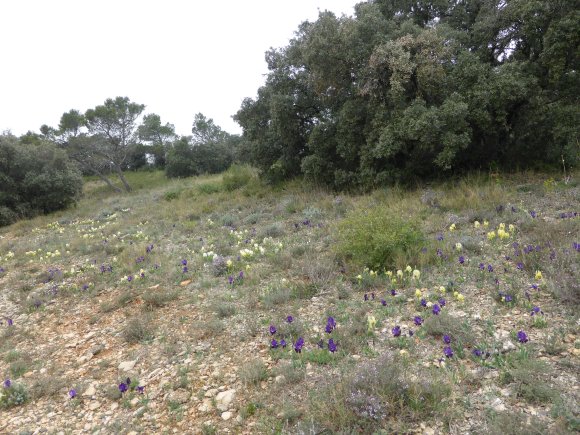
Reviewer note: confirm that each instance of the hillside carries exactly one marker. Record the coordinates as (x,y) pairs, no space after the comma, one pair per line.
(234,307)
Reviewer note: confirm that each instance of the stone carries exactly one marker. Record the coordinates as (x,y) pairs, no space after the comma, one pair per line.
(224,399)
(95,350)
(90,391)
(280,378)
(498,405)
(226,415)
(179,396)
(127,365)
(211,392)
(206,406)
(94,405)
(508,346)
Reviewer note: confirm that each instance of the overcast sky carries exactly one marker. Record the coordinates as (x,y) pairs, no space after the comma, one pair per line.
(177,57)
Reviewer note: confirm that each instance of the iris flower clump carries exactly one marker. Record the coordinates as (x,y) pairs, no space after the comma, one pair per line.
(332,346)
(522,337)
(298,345)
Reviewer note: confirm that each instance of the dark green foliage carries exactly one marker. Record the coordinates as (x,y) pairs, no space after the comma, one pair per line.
(210,150)
(413,90)
(34,178)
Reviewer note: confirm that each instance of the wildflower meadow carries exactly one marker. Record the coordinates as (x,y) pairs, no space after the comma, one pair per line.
(288,309)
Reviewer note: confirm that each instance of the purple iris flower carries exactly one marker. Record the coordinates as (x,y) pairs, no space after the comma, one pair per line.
(130,278)
(536,310)
(320,344)
(423,302)
(330,325)
(461,259)
(383,302)
(184,262)
(373,296)
(411,333)
(440,237)
(396,331)
(393,292)
(272,329)
(436,309)
(481,266)
(477,353)
(522,337)
(331,346)
(72,393)
(289,319)
(283,343)
(447,351)
(533,214)
(446,339)
(418,320)
(123,387)
(366,297)
(508,298)
(298,345)
(439,252)
(230,279)
(331,322)
(10,322)
(442,302)
(7,383)
(520,266)
(274,343)
(140,389)
(185,269)
(489,268)
(241,275)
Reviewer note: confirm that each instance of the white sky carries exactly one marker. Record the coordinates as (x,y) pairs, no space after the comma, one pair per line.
(178,57)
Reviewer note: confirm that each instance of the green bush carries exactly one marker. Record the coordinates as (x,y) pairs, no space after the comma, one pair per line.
(237,176)
(35,178)
(377,238)
(13,395)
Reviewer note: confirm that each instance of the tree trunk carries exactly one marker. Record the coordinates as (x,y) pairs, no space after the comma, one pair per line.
(122,178)
(106,180)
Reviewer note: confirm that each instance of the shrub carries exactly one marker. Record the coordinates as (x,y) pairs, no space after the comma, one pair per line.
(137,330)
(377,393)
(376,238)
(35,178)
(237,176)
(253,372)
(13,395)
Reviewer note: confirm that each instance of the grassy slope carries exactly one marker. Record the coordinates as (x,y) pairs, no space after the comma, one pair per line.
(192,331)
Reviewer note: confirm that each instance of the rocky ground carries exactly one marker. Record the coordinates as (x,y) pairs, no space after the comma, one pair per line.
(160,291)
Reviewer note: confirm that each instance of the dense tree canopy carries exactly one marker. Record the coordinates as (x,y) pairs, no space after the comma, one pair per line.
(411,89)
(34,178)
(209,150)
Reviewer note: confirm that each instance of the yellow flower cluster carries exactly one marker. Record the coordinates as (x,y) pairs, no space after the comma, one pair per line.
(458,296)
(371,323)
(502,233)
